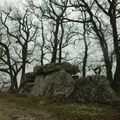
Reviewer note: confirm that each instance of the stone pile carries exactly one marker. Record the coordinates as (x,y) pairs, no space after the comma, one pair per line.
(59,82)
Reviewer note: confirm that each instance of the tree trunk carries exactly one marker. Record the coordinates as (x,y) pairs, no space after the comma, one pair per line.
(24,58)
(54,54)
(108,66)
(11,89)
(117,74)
(15,83)
(86,51)
(23,73)
(117,52)
(112,15)
(60,44)
(104,47)
(85,62)
(43,43)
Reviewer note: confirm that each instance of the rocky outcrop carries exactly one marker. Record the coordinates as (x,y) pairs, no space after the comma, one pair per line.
(94,89)
(27,84)
(59,84)
(37,89)
(51,80)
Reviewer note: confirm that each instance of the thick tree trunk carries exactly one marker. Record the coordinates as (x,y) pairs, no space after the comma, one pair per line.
(24,58)
(23,73)
(42,56)
(117,74)
(11,89)
(108,66)
(85,63)
(117,52)
(60,44)
(60,55)
(54,54)
(86,51)
(14,85)
(112,15)
(43,43)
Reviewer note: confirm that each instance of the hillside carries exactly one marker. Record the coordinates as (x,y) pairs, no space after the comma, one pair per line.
(13,107)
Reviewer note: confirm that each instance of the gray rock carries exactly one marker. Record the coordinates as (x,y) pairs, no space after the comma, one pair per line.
(54,67)
(37,89)
(50,80)
(27,84)
(56,85)
(60,84)
(94,89)
(58,81)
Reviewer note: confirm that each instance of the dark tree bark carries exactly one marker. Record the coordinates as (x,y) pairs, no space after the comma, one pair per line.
(43,43)
(55,47)
(60,44)
(112,14)
(86,51)
(24,60)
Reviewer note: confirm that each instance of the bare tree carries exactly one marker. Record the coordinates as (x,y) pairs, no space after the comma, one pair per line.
(112,11)
(55,14)
(96,25)
(5,60)
(23,33)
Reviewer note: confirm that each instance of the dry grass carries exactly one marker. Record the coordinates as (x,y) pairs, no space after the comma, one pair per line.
(13,107)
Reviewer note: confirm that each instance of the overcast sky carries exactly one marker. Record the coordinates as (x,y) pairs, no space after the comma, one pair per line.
(9,2)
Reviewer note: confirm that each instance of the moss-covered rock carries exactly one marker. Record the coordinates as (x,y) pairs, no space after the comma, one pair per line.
(30,77)
(57,85)
(58,81)
(94,89)
(50,80)
(53,67)
(28,83)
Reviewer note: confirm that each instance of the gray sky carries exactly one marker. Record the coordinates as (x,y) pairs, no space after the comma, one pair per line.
(9,2)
